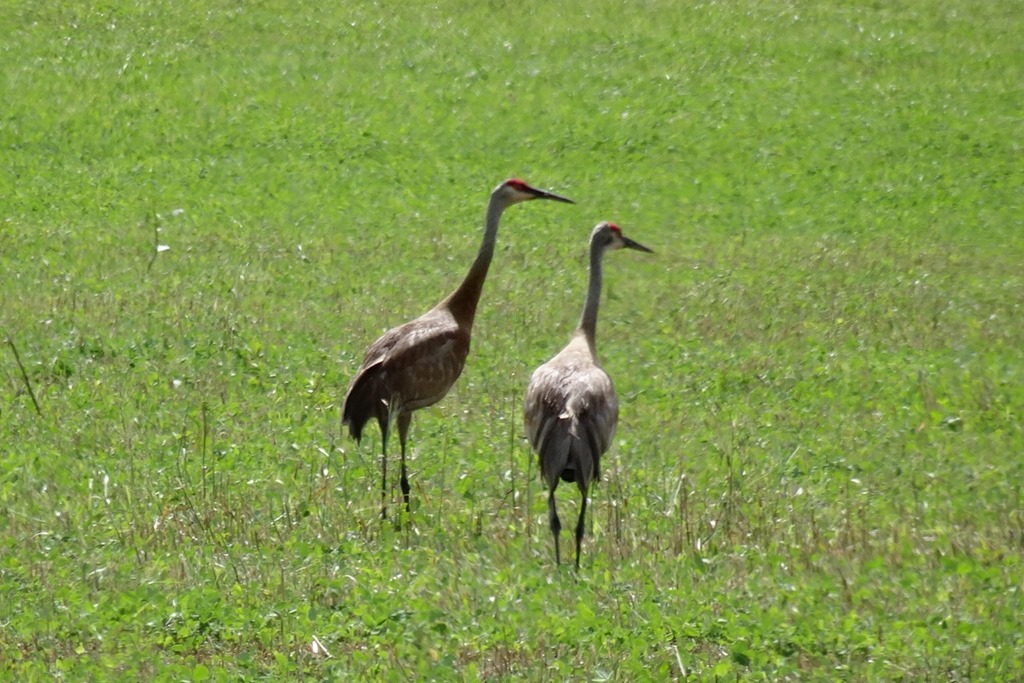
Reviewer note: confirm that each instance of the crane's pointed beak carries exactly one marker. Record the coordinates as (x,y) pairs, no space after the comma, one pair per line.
(630,244)
(541,194)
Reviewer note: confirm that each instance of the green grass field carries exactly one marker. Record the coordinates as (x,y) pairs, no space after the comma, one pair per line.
(210,209)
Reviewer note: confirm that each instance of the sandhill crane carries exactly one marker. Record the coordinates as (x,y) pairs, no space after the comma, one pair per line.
(571,409)
(413,366)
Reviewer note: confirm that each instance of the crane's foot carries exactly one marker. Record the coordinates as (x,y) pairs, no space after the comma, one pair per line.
(402,520)
(404,483)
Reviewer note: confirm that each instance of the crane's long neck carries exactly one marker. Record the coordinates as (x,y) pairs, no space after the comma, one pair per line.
(463,301)
(588,321)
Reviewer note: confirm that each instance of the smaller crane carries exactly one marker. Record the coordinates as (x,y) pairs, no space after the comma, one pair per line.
(571,409)
(413,366)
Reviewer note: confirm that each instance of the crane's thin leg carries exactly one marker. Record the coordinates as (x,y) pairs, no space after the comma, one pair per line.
(383,468)
(556,524)
(580,521)
(404,420)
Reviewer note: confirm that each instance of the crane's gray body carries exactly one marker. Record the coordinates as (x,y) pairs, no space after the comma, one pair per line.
(571,412)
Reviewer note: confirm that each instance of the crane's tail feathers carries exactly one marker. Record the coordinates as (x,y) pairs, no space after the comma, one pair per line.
(363,402)
(583,457)
(553,449)
(590,431)
(568,450)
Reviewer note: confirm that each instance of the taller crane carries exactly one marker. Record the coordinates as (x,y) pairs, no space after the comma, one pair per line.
(413,366)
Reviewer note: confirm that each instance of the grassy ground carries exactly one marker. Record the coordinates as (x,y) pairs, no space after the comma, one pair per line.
(211,209)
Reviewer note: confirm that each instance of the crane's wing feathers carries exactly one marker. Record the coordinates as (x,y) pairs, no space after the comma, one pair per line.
(571,413)
(412,366)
